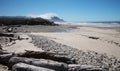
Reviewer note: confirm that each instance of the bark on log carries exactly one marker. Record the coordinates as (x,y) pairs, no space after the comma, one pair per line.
(77,67)
(4,52)
(5,58)
(46,55)
(35,54)
(40,62)
(6,35)
(27,67)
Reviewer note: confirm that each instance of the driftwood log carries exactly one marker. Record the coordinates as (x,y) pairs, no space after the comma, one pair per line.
(5,56)
(93,37)
(58,66)
(6,35)
(46,55)
(36,58)
(40,61)
(27,67)
(77,67)
(5,52)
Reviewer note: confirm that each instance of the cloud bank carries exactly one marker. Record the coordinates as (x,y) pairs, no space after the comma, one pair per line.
(45,16)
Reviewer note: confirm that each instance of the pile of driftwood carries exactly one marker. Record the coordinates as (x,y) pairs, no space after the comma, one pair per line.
(40,61)
(34,61)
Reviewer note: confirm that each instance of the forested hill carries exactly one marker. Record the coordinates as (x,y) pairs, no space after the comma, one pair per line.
(21,20)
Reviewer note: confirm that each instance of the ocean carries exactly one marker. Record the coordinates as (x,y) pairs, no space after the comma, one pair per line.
(101,24)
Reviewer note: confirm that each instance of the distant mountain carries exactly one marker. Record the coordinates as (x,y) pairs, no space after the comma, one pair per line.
(56,19)
(49,16)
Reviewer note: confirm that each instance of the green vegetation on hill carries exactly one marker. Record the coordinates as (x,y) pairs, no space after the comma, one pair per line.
(9,20)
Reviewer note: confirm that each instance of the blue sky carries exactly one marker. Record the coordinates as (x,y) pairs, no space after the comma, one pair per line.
(70,10)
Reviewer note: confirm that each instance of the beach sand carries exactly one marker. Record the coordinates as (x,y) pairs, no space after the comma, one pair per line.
(108,40)
(22,45)
(77,36)
(3,68)
(87,45)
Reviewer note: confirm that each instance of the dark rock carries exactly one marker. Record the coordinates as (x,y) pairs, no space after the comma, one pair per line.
(56,19)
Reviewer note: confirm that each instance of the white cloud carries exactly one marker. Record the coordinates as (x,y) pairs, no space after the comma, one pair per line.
(45,16)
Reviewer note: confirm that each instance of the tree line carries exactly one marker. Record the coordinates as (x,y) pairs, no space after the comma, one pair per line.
(10,20)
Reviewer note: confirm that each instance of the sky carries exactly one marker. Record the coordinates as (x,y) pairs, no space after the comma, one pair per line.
(69,10)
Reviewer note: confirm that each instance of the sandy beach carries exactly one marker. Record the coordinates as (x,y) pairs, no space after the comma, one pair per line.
(87,45)
(22,45)
(108,39)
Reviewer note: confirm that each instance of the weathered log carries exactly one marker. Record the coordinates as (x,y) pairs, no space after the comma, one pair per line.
(5,52)
(40,62)
(77,67)
(1,47)
(46,55)
(6,35)
(4,59)
(38,54)
(5,56)
(27,67)
(30,51)
(93,37)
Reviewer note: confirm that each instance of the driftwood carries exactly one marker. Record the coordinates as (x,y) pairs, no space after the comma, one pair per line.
(36,54)
(5,56)
(93,37)
(77,67)
(36,58)
(40,61)
(27,67)
(58,66)
(4,52)
(6,35)
(46,55)
(1,47)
